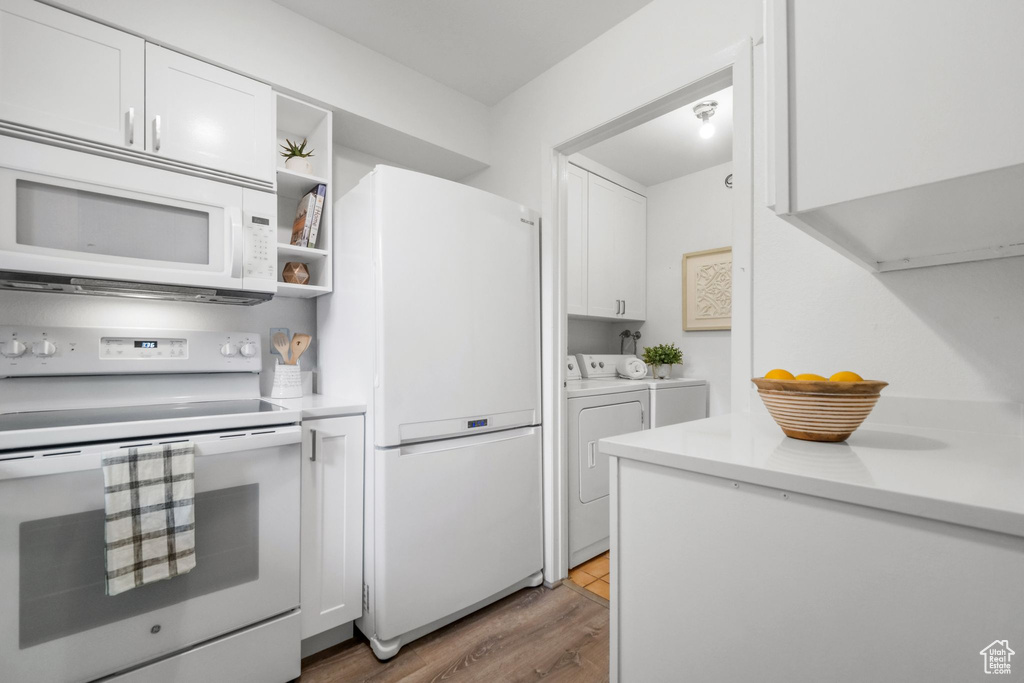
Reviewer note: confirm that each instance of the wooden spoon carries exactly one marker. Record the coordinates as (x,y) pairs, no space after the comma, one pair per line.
(300,342)
(280,342)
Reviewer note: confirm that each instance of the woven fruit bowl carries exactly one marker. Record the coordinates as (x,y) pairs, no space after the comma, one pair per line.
(818,411)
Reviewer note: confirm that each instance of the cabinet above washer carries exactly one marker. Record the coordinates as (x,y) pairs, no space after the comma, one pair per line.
(607,248)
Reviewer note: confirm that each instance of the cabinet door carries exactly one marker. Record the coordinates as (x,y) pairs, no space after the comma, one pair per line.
(204,115)
(631,248)
(68,75)
(604,206)
(576,241)
(332,523)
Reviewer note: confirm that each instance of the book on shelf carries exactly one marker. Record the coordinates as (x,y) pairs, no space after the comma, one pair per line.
(307,215)
(318,212)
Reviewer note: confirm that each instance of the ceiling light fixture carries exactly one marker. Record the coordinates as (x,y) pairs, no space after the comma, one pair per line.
(704,111)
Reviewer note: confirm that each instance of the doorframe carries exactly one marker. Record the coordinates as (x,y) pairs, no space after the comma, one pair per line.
(734,66)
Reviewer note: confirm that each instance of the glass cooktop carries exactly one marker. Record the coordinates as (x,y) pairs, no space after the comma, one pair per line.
(49,419)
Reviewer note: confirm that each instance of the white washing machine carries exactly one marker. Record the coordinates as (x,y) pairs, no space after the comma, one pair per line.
(601,404)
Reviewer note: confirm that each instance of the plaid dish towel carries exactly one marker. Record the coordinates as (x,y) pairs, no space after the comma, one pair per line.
(150,514)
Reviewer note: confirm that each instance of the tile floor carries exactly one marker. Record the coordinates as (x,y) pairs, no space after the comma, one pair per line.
(592,575)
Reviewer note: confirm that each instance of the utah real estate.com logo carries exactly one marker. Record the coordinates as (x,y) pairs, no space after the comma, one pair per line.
(997,657)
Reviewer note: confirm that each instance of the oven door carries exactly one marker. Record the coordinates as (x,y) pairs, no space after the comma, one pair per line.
(58,623)
(68,213)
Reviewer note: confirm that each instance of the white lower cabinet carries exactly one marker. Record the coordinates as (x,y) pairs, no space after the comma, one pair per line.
(332,522)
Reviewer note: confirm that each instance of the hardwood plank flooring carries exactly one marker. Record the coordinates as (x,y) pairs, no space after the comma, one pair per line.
(535,634)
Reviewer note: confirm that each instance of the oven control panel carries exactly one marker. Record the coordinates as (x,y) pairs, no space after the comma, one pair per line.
(39,351)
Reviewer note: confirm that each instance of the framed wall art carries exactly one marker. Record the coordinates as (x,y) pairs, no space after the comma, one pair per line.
(707,290)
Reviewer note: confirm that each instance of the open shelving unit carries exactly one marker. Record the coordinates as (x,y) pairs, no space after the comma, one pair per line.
(298,120)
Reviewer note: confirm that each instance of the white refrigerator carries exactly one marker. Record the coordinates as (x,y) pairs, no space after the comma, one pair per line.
(434,321)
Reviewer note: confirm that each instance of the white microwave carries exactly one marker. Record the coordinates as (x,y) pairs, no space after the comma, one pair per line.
(76,222)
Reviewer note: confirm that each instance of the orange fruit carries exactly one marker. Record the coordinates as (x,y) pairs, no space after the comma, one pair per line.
(778,373)
(810,376)
(846,376)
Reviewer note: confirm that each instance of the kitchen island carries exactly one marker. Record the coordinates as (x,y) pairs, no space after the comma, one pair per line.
(739,554)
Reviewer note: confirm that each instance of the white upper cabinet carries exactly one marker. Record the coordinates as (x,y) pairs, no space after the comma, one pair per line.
(616,251)
(576,287)
(201,114)
(895,131)
(68,75)
(332,523)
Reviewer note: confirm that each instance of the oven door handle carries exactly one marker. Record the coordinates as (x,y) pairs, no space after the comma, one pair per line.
(91,457)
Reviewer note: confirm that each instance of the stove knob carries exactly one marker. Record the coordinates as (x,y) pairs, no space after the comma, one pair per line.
(228,350)
(12,348)
(248,349)
(43,349)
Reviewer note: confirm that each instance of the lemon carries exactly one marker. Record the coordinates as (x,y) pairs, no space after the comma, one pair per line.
(778,373)
(846,376)
(807,376)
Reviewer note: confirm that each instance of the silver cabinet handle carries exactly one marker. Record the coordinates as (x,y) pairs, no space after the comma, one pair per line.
(618,306)
(131,126)
(623,307)
(591,456)
(156,133)
(312,445)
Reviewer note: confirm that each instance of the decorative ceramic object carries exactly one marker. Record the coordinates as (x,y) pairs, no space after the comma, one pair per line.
(296,273)
(296,156)
(662,370)
(299,165)
(818,411)
(287,382)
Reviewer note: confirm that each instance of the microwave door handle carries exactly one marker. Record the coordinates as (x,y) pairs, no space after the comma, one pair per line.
(236,246)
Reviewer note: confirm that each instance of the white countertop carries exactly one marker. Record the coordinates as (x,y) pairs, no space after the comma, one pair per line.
(970,478)
(321,405)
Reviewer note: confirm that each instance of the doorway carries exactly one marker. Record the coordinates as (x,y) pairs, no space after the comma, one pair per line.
(731,71)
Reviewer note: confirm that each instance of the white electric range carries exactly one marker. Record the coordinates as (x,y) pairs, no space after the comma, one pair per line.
(69,395)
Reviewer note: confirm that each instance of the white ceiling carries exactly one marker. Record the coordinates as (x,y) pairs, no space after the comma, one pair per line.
(669,146)
(485,49)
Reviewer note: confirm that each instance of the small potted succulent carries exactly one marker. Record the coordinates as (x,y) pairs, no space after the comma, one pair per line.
(296,158)
(661,358)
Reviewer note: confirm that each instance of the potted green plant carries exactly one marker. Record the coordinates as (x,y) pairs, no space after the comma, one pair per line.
(296,158)
(661,358)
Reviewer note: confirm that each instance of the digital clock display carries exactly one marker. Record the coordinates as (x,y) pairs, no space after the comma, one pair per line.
(145,344)
(477,423)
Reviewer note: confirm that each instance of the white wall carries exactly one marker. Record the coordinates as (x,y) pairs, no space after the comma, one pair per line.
(691,213)
(631,64)
(263,40)
(596,336)
(945,332)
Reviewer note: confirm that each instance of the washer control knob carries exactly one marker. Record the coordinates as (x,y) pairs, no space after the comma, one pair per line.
(571,366)
(228,350)
(43,349)
(248,349)
(12,348)
(601,364)
(593,364)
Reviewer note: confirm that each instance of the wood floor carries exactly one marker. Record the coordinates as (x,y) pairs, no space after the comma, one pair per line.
(558,635)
